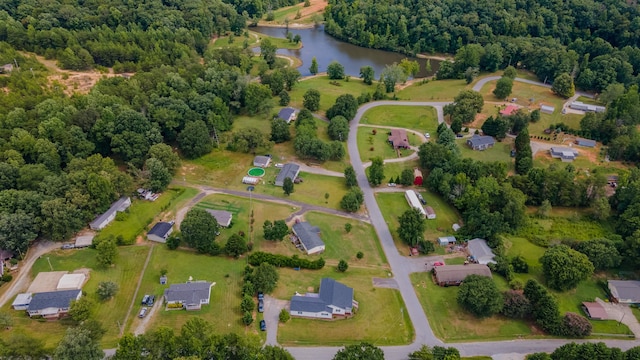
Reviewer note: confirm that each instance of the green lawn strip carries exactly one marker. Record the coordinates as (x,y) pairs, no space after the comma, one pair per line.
(286,13)
(435,90)
(343,245)
(636,312)
(223,310)
(381,318)
(371,146)
(125,273)
(452,323)
(562,228)
(393,205)
(142,212)
(254,41)
(420,118)
(524,93)
(394,169)
(329,92)
(588,100)
(501,151)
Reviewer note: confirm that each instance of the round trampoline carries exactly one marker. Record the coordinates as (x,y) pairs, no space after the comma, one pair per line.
(256,171)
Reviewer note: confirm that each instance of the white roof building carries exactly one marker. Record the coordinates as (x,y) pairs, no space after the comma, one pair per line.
(71,282)
(413,201)
(22,301)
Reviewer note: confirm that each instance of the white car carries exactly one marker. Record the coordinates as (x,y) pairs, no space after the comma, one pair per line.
(427,135)
(391,184)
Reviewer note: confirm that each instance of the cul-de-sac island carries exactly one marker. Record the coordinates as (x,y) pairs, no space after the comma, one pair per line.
(336,179)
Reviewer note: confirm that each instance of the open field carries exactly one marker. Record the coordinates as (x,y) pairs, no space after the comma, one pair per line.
(125,273)
(380,144)
(380,318)
(558,228)
(393,205)
(589,159)
(434,90)
(329,92)
(420,118)
(142,212)
(253,40)
(393,170)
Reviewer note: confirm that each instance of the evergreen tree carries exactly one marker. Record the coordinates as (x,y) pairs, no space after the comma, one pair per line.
(524,160)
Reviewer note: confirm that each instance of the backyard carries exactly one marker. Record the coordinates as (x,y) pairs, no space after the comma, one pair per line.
(371,146)
(329,90)
(420,118)
(501,152)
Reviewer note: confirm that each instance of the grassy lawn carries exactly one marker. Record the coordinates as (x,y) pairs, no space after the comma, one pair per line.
(329,93)
(436,90)
(419,118)
(451,323)
(393,170)
(501,151)
(393,205)
(380,319)
(636,312)
(558,228)
(311,191)
(142,212)
(254,41)
(125,273)
(379,143)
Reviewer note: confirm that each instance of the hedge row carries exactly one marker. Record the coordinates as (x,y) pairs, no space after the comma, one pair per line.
(259,257)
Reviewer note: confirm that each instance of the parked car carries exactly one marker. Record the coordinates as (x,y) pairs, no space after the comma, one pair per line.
(459,135)
(263,325)
(427,135)
(279,165)
(391,184)
(261,305)
(143,312)
(438,263)
(68,246)
(145,299)
(151,300)
(260,296)
(422,200)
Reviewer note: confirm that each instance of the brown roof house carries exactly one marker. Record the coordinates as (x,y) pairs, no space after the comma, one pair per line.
(398,139)
(455,274)
(595,310)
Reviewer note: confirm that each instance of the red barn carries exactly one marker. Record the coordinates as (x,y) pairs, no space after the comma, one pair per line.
(417,177)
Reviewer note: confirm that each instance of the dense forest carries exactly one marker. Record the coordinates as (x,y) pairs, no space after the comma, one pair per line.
(596,41)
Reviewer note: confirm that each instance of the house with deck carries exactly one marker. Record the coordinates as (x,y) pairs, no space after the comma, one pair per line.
(289,170)
(334,300)
(307,237)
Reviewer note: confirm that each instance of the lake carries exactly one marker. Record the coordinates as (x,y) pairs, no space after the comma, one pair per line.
(327,49)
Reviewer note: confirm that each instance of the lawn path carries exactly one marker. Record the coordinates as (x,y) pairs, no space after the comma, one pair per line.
(135,293)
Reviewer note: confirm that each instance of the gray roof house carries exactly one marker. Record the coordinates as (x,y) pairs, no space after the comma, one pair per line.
(624,291)
(289,170)
(480,251)
(566,154)
(446,240)
(586,142)
(455,274)
(160,231)
(308,237)
(52,304)
(223,217)
(103,220)
(481,142)
(261,161)
(287,114)
(333,300)
(189,296)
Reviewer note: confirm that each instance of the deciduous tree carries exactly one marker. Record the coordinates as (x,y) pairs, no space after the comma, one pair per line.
(480,296)
(411,229)
(287,186)
(335,70)
(199,229)
(311,100)
(352,200)
(235,246)
(106,290)
(265,278)
(78,344)
(195,141)
(367,74)
(107,252)
(360,351)
(338,128)
(280,131)
(376,171)
(313,69)
(563,85)
(350,176)
(503,87)
(564,268)
(346,105)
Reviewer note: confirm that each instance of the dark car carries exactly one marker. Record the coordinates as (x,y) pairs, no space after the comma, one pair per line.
(151,300)
(422,200)
(260,305)
(260,296)
(263,325)
(145,299)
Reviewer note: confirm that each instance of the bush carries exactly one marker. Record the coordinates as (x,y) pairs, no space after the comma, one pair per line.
(360,255)
(480,296)
(516,305)
(574,325)
(173,242)
(520,265)
(247,305)
(259,257)
(106,290)
(516,284)
(342,266)
(284,316)
(6,277)
(247,319)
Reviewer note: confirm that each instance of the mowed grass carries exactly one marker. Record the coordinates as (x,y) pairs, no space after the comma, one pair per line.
(381,318)
(394,204)
(311,191)
(420,118)
(253,40)
(371,146)
(434,90)
(142,212)
(223,311)
(501,152)
(450,322)
(392,170)
(125,273)
(328,92)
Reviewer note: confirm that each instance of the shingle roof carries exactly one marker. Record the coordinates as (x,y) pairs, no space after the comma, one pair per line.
(261,160)
(398,138)
(509,110)
(308,235)
(479,140)
(331,293)
(457,273)
(286,113)
(160,229)
(115,207)
(625,289)
(53,299)
(586,142)
(595,310)
(480,250)
(188,293)
(223,217)
(289,170)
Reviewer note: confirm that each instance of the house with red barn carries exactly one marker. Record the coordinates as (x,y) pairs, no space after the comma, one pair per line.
(417,177)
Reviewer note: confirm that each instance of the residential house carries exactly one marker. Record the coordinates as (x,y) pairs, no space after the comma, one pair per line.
(413,201)
(108,216)
(22,301)
(6,255)
(547,109)
(261,161)
(455,274)
(52,304)
(586,142)
(624,291)
(481,142)
(431,214)
(446,240)
(509,110)
(287,114)
(579,105)
(417,177)
(308,238)
(189,296)
(289,170)
(566,154)
(398,139)
(595,311)
(160,231)
(84,241)
(333,300)
(223,217)
(480,251)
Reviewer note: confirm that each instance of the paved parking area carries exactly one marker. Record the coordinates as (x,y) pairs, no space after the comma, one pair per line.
(272,308)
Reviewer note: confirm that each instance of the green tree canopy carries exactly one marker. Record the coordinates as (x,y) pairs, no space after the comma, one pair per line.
(564,268)
(411,228)
(199,230)
(480,296)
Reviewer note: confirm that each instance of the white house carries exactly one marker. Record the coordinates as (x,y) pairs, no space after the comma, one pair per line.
(480,251)
(52,304)
(189,296)
(22,301)
(413,201)
(160,231)
(103,220)
(333,300)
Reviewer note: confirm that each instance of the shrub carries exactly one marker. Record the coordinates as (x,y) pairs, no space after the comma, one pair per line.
(247,319)
(480,296)
(516,284)
(6,278)
(259,257)
(106,290)
(173,242)
(247,305)
(520,265)
(284,316)
(342,266)
(348,227)
(574,325)
(516,305)
(360,255)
